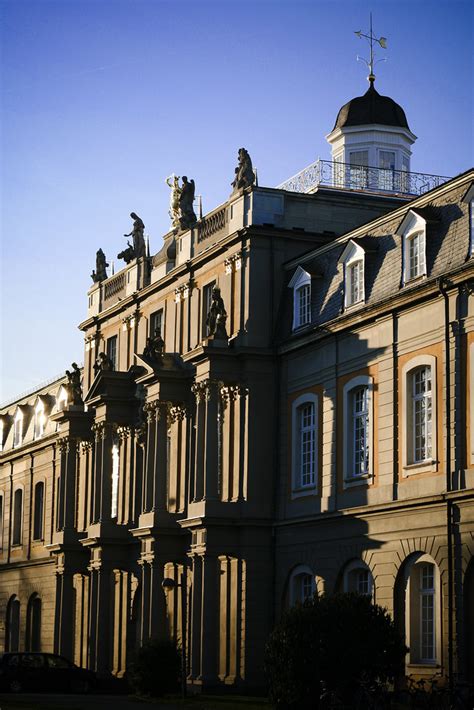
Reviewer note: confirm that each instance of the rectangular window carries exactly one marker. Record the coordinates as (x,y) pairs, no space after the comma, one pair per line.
(307,430)
(359,161)
(156,323)
(356,282)
(38,512)
(303,305)
(17,516)
(427,613)
(387,172)
(422,414)
(415,262)
(112,350)
(115,480)
(1,521)
(363,582)
(360,424)
(39,423)
(206,306)
(17,431)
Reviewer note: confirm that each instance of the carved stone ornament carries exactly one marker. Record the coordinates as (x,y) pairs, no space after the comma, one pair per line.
(86,446)
(99,273)
(217,316)
(140,433)
(67,444)
(233,263)
(152,410)
(176,413)
(99,430)
(244,174)
(230,393)
(123,432)
(202,390)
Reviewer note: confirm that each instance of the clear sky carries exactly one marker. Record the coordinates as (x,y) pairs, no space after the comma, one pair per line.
(102,99)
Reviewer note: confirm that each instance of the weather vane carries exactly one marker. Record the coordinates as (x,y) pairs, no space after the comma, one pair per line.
(371,39)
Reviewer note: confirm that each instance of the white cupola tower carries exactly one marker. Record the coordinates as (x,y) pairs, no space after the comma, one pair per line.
(372,130)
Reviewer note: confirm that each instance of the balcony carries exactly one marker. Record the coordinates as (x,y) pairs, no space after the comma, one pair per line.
(361,178)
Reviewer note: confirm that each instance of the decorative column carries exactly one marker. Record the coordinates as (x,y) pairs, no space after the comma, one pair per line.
(155,484)
(153,603)
(102,479)
(64,608)
(206,466)
(203,656)
(100,594)
(68,447)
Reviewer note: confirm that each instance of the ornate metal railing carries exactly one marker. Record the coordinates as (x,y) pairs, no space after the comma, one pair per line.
(360,177)
(114,285)
(212,223)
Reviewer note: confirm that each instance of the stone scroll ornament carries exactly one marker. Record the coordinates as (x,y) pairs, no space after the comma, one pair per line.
(138,248)
(244,173)
(217,316)
(99,273)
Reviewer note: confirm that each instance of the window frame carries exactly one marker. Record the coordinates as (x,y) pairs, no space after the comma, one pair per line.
(206,305)
(18,432)
(17,541)
(468,198)
(349,574)
(38,525)
(413,226)
(414,595)
(353,256)
(112,351)
(297,487)
(156,315)
(301,285)
(39,422)
(410,465)
(350,387)
(296,579)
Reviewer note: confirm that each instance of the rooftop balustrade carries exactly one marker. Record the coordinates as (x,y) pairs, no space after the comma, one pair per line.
(361,177)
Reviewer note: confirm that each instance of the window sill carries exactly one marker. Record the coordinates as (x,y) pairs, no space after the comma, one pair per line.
(303,492)
(353,481)
(352,306)
(413,280)
(428,466)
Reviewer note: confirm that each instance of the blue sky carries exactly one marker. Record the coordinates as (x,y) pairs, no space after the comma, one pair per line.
(102,99)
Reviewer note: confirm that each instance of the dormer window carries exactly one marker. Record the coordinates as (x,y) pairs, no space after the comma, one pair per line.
(353,261)
(413,233)
(18,428)
(469,200)
(301,285)
(62,398)
(39,420)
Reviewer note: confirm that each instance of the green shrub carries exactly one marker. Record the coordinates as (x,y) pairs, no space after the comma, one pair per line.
(340,640)
(155,669)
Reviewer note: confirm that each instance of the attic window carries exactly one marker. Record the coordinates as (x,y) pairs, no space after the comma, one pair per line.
(353,261)
(18,428)
(469,200)
(413,233)
(39,420)
(301,285)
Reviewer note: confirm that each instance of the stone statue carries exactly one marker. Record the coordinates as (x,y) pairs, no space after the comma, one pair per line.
(244,174)
(186,199)
(217,316)
(103,364)
(74,386)
(138,248)
(100,273)
(174,200)
(154,347)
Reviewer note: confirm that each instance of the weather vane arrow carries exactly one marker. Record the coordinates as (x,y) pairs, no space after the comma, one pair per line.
(372,39)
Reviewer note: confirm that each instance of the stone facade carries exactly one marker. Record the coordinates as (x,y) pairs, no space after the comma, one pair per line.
(225,465)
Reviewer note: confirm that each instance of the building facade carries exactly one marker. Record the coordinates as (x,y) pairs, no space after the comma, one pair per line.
(319,438)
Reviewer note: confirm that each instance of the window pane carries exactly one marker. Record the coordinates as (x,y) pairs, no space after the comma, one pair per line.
(303,305)
(422,414)
(307,430)
(360,431)
(38,517)
(156,322)
(356,282)
(115,480)
(112,350)
(427,612)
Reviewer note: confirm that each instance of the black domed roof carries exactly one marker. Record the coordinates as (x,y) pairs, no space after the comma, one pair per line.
(371,108)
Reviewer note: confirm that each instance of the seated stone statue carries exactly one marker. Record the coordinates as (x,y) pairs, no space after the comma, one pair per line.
(244,174)
(154,347)
(217,316)
(103,364)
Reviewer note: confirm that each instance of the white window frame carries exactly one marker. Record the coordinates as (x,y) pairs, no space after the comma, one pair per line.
(18,432)
(410,465)
(412,227)
(349,579)
(39,420)
(353,257)
(62,398)
(301,285)
(298,489)
(415,595)
(356,383)
(468,199)
(296,581)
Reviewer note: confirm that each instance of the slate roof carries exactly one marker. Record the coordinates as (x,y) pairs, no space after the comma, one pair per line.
(371,108)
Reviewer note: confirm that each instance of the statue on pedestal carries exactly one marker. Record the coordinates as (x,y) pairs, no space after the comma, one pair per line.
(103,364)
(138,248)
(244,174)
(100,273)
(154,347)
(74,386)
(174,200)
(186,199)
(217,316)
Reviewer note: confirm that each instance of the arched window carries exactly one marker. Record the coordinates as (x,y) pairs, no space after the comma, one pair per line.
(302,585)
(358,430)
(304,443)
(419,410)
(38,511)
(12,635)
(33,624)
(358,578)
(17,517)
(412,230)
(301,285)
(420,580)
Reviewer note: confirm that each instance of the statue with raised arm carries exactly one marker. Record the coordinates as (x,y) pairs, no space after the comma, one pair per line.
(74,386)
(217,316)
(138,248)
(186,199)
(103,364)
(244,174)
(100,273)
(174,211)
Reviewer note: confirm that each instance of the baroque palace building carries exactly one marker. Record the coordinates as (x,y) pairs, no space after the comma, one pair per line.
(306,427)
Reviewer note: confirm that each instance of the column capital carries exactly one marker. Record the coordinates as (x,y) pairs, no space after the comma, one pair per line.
(68,443)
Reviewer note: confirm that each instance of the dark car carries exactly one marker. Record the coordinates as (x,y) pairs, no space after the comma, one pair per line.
(43,671)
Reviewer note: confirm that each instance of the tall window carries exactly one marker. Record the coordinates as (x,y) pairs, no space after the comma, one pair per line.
(38,511)
(12,636)
(206,306)
(352,260)
(387,165)
(112,350)
(422,413)
(115,479)
(422,609)
(302,305)
(17,516)
(355,284)
(415,254)
(358,429)
(39,420)
(156,322)
(18,428)
(412,230)
(304,443)
(1,520)
(33,624)
(359,161)
(427,612)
